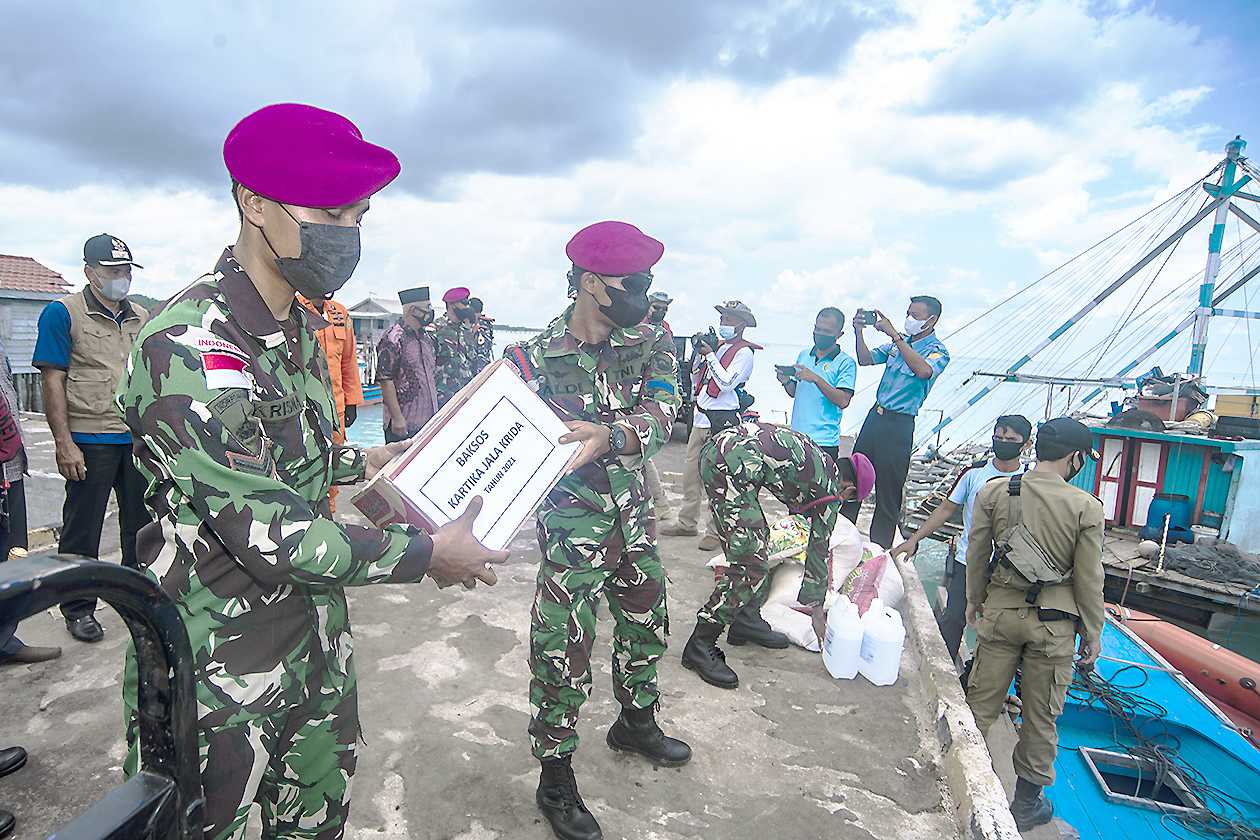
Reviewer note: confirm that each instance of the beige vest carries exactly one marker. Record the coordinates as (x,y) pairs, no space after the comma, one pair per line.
(99,347)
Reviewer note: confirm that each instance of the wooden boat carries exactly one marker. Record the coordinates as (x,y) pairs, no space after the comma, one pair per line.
(1144,753)
(1228,678)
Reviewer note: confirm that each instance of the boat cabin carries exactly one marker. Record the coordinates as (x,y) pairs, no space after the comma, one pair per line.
(1216,482)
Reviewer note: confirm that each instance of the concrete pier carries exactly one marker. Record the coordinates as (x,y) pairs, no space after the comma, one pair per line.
(443,682)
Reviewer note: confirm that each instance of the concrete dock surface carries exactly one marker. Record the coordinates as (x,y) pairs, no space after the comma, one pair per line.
(443,682)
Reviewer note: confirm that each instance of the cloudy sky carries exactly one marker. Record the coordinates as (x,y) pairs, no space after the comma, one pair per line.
(788,152)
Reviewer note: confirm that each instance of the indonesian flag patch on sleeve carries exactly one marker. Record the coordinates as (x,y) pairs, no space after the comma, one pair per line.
(224,370)
(224,363)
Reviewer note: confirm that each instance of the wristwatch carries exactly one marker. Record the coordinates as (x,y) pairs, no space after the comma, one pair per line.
(617,440)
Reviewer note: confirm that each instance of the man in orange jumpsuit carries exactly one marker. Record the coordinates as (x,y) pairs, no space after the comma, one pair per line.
(337,339)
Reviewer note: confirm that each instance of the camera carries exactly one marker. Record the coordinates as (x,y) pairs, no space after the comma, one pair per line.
(710,338)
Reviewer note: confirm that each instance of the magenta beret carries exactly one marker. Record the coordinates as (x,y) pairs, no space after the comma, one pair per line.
(613,248)
(457,293)
(303,155)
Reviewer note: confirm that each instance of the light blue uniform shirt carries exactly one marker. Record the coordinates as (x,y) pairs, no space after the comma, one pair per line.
(813,414)
(968,486)
(900,389)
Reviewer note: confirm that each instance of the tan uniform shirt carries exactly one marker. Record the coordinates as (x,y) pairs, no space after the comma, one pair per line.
(1066,521)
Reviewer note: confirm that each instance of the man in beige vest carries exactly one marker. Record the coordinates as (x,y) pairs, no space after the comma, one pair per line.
(84,340)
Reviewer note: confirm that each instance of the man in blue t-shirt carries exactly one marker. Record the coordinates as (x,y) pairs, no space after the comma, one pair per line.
(1012,434)
(81,351)
(822,383)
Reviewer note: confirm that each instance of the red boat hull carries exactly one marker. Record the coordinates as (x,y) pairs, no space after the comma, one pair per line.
(1229,678)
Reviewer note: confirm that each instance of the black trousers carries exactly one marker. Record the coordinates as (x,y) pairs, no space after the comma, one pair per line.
(833,451)
(887,439)
(12,534)
(110,468)
(953,619)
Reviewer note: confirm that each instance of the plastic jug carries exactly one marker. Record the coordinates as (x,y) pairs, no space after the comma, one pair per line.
(842,640)
(883,637)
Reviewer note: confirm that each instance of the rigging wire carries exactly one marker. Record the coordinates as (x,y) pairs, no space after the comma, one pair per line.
(1076,257)
(1074,280)
(1138,301)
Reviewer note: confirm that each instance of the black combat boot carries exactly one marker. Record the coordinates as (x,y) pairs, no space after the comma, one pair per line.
(562,805)
(636,731)
(1030,809)
(750,628)
(703,656)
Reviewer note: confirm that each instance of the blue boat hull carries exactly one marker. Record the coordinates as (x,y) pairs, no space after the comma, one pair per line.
(1204,740)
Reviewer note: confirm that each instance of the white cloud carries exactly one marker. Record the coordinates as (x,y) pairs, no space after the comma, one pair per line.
(790,195)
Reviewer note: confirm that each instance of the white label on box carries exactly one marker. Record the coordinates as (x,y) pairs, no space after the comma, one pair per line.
(501,445)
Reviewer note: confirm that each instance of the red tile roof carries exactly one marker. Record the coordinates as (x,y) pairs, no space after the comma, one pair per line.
(23,274)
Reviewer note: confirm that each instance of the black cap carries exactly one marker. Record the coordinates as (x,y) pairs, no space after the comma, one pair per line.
(420,294)
(104,249)
(1069,435)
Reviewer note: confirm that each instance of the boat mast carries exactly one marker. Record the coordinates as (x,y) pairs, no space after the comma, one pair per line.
(1198,350)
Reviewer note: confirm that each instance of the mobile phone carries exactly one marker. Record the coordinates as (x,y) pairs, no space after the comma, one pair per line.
(786,370)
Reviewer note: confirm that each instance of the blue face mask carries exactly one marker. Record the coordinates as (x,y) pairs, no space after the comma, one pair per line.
(725,332)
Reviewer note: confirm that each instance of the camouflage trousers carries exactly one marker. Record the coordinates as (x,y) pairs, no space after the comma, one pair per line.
(745,536)
(297,765)
(585,555)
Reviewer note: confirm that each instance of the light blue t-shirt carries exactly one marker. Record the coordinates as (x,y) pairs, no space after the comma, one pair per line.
(901,389)
(968,486)
(813,414)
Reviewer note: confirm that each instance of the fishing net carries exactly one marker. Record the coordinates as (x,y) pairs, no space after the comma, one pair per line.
(1222,563)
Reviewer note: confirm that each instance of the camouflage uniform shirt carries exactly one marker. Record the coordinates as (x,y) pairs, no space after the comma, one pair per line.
(232,418)
(595,529)
(735,464)
(455,349)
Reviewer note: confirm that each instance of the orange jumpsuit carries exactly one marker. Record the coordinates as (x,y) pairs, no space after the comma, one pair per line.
(337,339)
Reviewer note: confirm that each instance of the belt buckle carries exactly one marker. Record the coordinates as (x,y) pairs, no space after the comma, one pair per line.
(879,409)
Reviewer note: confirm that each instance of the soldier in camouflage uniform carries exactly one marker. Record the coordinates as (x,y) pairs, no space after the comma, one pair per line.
(455,346)
(615,381)
(483,333)
(227,398)
(735,465)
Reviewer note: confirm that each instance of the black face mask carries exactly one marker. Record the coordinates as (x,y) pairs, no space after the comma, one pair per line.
(824,342)
(464,313)
(656,315)
(627,306)
(1006,450)
(1078,465)
(328,258)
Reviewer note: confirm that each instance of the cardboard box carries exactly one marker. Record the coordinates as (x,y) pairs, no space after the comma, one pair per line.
(1237,405)
(495,438)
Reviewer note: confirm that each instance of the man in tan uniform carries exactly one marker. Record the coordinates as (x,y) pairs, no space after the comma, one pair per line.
(1028,626)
